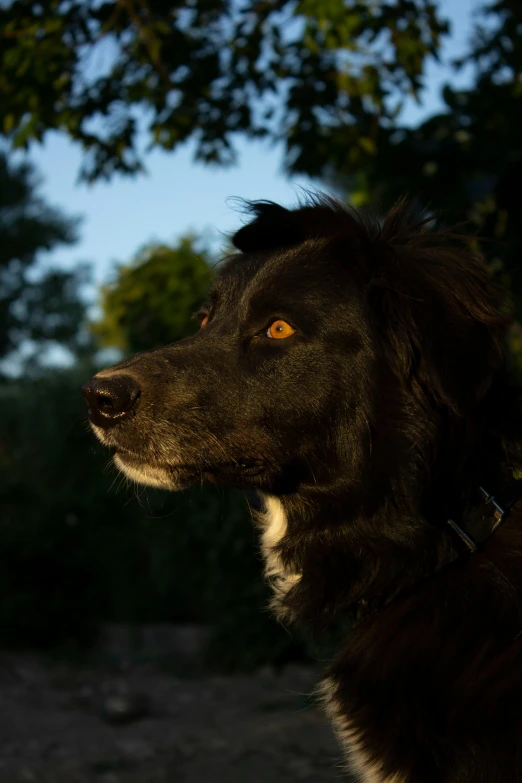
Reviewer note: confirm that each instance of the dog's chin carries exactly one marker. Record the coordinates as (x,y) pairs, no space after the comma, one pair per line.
(148,475)
(243,472)
(182,476)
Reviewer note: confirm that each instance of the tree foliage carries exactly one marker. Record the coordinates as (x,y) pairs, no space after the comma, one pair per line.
(327,77)
(465,162)
(41,308)
(151,301)
(312,73)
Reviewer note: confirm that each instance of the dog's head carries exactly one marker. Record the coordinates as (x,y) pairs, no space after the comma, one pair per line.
(327,345)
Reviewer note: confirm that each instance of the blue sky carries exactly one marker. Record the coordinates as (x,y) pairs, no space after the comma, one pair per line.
(178,195)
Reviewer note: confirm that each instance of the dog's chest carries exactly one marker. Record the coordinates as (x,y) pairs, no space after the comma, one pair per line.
(274,526)
(360,763)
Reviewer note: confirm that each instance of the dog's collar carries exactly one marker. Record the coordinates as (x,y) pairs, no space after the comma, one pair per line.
(489,515)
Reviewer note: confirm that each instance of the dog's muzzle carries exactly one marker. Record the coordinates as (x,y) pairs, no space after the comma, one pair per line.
(111,398)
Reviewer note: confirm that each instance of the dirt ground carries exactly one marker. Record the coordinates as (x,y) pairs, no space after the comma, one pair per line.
(61,723)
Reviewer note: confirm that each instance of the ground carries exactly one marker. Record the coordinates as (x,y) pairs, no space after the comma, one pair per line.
(59,724)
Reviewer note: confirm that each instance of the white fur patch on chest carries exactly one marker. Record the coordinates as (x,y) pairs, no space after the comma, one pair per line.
(360,764)
(273,523)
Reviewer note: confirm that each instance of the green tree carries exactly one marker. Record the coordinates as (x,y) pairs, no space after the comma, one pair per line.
(465,162)
(317,74)
(325,77)
(151,301)
(43,309)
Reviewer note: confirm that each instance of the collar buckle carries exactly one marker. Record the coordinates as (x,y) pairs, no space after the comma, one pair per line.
(498,514)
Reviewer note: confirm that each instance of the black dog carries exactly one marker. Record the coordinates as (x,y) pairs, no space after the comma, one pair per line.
(355,374)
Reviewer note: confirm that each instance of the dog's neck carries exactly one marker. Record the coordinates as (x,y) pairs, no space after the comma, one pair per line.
(333,557)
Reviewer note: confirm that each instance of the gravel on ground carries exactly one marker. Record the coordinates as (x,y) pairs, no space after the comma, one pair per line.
(65,723)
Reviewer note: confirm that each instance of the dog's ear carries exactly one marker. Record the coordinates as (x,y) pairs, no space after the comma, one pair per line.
(440,317)
(274,226)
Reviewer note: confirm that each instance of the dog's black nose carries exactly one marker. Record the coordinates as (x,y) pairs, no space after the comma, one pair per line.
(110,398)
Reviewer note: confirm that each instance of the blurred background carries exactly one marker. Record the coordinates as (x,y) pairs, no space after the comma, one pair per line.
(135,641)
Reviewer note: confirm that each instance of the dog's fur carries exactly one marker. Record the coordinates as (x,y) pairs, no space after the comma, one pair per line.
(364,431)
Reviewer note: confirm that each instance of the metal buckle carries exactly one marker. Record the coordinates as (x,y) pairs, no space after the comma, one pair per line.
(498,513)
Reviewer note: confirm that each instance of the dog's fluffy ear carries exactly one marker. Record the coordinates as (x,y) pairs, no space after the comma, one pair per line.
(441,318)
(274,226)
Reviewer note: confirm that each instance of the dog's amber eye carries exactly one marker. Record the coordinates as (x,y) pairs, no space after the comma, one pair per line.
(279,330)
(204,322)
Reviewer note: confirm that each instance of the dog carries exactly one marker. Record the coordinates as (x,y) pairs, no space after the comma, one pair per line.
(355,373)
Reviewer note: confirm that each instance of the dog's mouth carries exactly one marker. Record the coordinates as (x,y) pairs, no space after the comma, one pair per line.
(182,474)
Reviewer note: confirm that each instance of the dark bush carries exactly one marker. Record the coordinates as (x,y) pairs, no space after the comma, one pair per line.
(78,546)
